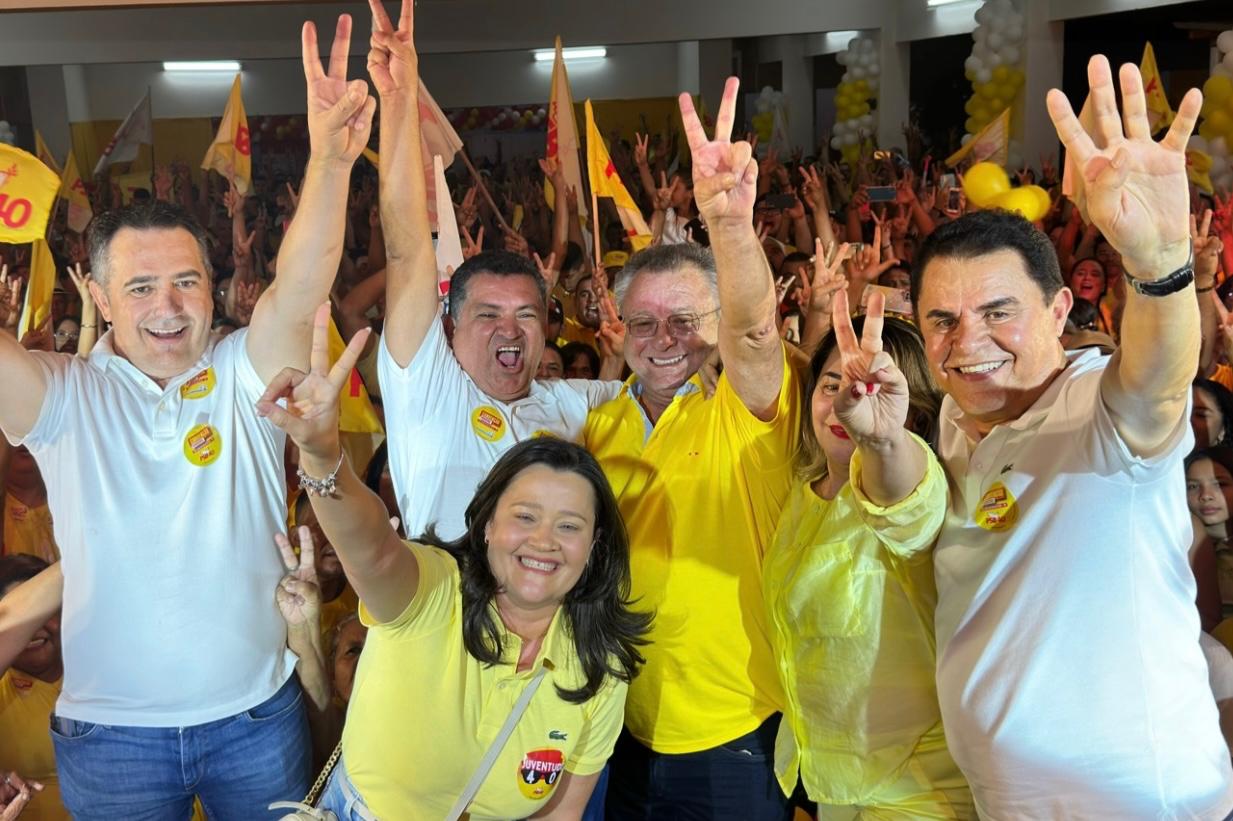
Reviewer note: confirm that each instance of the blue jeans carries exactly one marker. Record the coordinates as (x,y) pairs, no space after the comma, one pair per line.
(341,796)
(733,781)
(237,765)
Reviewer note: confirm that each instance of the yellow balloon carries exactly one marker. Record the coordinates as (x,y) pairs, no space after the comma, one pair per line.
(1217,90)
(987,91)
(1042,196)
(1001,73)
(1219,120)
(984,183)
(1022,201)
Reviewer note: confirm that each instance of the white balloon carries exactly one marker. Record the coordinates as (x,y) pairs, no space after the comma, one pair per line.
(1221,70)
(1220,166)
(842,58)
(980,33)
(1218,147)
(858,73)
(972,64)
(984,75)
(983,14)
(1014,19)
(850,139)
(1227,62)
(836,143)
(1197,143)
(854,44)
(995,41)
(866,120)
(1225,41)
(1010,55)
(983,53)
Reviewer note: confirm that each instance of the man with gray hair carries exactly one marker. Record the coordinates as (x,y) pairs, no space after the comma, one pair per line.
(177,681)
(701,482)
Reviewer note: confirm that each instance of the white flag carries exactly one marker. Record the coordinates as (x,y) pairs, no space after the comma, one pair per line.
(135,131)
(449,246)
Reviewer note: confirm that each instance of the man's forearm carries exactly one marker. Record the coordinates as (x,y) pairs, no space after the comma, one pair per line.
(305,642)
(310,252)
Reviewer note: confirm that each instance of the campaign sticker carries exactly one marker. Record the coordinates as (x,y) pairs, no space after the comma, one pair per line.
(199,386)
(202,445)
(539,772)
(488,423)
(998,510)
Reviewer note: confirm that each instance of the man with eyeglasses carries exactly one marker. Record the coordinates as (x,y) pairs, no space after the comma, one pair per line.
(701,481)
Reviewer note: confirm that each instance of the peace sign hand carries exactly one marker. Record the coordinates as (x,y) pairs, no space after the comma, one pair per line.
(298,595)
(393,63)
(872,403)
(311,415)
(725,173)
(817,295)
(339,112)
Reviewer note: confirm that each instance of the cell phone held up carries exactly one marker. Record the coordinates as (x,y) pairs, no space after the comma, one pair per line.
(880,193)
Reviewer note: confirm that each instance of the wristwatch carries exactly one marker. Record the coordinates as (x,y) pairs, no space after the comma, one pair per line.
(1171,284)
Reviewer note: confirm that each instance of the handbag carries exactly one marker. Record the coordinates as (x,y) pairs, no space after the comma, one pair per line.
(305,811)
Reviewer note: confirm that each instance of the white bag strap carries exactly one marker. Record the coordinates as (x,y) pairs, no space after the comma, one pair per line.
(494,749)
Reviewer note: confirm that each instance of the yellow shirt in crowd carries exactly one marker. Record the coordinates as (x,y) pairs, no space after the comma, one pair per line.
(332,612)
(574,331)
(28,530)
(850,591)
(26,704)
(700,492)
(424,711)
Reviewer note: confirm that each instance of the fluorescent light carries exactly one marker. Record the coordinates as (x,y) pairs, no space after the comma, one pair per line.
(543,55)
(201,65)
(935,3)
(845,35)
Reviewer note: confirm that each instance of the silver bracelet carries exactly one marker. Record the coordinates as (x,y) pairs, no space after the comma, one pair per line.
(320,487)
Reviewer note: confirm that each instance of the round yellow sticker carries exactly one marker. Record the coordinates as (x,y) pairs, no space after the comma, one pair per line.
(202,445)
(488,423)
(199,386)
(998,510)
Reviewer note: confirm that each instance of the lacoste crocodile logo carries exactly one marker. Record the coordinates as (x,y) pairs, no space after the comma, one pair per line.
(556,735)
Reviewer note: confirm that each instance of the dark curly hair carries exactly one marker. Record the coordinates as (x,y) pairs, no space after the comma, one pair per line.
(605,631)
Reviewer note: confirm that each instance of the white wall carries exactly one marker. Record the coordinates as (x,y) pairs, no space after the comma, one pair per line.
(277,86)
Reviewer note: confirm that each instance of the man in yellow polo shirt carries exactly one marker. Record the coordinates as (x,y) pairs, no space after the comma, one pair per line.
(701,482)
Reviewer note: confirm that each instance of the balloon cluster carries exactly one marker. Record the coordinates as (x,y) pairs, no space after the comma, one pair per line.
(859,84)
(764,121)
(994,70)
(1216,131)
(499,118)
(986,185)
(7,134)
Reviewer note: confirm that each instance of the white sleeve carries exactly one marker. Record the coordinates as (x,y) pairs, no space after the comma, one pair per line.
(1219,667)
(594,391)
(432,378)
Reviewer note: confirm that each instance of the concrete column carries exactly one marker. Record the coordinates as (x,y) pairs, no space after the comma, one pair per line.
(687,66)
(49,107)
(894,58)
(714,67)
(1043,71)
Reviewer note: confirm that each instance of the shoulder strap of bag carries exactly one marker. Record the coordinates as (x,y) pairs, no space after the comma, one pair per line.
(494,749)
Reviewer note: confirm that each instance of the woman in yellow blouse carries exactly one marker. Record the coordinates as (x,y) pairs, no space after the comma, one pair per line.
(539,582)
(849,584)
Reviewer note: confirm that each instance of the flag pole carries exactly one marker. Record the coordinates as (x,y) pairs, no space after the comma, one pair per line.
(479,182)
(595,242)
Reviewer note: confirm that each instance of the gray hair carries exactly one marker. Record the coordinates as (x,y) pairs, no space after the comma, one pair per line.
(152,215)
(668,259)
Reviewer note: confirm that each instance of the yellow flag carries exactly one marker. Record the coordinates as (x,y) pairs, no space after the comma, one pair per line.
(74,191)
(44,153)
(27,193)
(991,143)
(37,307)
(605,182)
(231,152)
(1159,113)
(356,413)
(1199,168)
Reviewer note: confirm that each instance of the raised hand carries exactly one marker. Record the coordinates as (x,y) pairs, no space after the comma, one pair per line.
(298,595)
(1207,248)
(10,301)
(392,60)
(872,402)
(311,415)
(813,189)
(1136,189)
(641,150)
(611,333)
(82,283)
(663,194)
(547,268)
(244,301)
(725,173)
(339,112)
(162,183)
(15,793)
(817,293)
(516,243)
(472,246)
(232,198)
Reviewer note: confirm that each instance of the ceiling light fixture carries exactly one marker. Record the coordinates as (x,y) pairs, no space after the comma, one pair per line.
(545,55)
(201,65)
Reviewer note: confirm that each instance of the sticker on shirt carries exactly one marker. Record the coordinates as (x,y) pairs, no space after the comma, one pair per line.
(199,386)
(202,445)
(998,509)
(539,772)
(488,423)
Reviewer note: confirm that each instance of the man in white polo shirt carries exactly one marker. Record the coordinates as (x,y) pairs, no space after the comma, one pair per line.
(451,411)
(1070,675)
(166,489)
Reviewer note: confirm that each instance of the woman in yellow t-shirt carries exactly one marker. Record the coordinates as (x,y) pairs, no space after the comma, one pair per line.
(537,588)
(849,585)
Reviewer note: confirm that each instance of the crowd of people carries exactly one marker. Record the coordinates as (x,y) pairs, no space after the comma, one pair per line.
(814,505)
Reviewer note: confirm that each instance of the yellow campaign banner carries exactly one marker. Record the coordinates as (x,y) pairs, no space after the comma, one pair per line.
(44,153)
(27,193)
(356,413)
(605,182)
(73,190)
(231,153)
(1199,169)
(562,143)
(37,308)
(1159,113)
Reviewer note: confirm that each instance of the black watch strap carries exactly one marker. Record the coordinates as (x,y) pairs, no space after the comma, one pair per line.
(1171,284)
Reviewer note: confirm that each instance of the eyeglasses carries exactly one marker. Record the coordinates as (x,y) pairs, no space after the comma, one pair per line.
(65,336)
(678,324)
